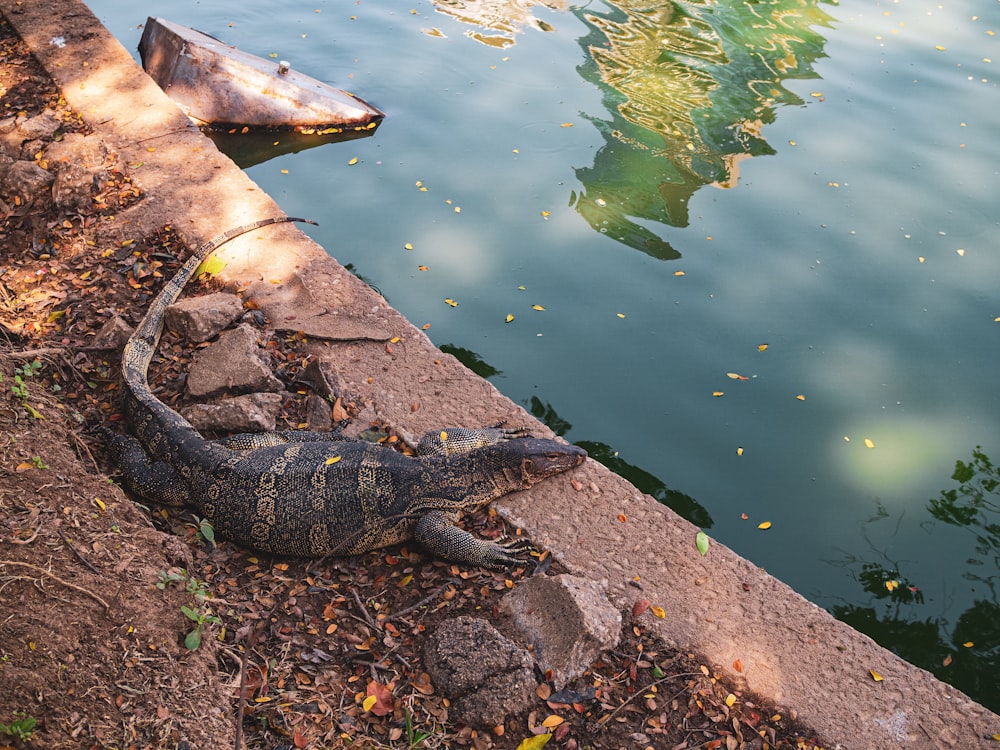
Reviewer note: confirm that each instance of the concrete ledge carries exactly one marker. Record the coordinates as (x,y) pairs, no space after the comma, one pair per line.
(719,605)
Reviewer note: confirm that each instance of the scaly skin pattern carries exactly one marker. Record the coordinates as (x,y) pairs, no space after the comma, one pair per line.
(312,494)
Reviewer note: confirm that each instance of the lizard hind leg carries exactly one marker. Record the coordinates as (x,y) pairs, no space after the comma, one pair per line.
(145,479)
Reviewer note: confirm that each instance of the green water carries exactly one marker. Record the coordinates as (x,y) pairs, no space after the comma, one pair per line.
(802,194)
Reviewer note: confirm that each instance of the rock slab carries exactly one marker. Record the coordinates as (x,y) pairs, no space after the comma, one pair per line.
(254,412)
(200,318)
(567,619)
(485,675)
(234,364)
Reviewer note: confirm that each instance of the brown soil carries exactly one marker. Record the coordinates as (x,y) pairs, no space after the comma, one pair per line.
(99,597)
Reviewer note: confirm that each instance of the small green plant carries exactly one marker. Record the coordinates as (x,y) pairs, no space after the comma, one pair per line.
(23,373)
(201,614)
(20,728)
(200,617)
(414,737)
(204,530)
(38,462)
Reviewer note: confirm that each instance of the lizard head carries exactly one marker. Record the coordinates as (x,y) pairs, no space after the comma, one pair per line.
(541,459)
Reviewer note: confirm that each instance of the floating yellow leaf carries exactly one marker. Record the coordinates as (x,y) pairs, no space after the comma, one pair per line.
(939,48)
(961,251)
(546,214)
(620,315)
(458,209)
(730,700)
(284,171)
(408,246)
(509,318)
(800,397)
(739,451)
(369,702)
(869,443)
(817,94)
(421,268)
(566,125)
(451,302)
(736,376)
(875,675)
(425,326)
(679,273)
(659,612)
(762,347)
(968,644)
(890,585)
(537,307)
(534,743)
(718,394)
(353,161)
(764,525)
(331,460)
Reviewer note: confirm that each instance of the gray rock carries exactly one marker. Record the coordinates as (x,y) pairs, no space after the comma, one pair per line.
(76,148)
(318,416)
(567,619)
(75,185)
(326,380)
(113,334)
(25,179)
(39,127)
(254,412)
(234,364)
(485,675)
(200,318)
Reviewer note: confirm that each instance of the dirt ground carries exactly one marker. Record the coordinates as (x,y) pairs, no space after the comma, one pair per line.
(126,627)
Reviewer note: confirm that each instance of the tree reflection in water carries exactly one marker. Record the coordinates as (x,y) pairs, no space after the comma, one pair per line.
(937,644)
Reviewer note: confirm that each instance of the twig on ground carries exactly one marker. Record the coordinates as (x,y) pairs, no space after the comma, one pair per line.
(364,610)
(243,688)
(638,693)
(57,579)
(24,354)
(76,552)
(423,602)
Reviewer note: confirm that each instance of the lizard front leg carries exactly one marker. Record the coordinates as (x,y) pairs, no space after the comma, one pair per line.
(437,533)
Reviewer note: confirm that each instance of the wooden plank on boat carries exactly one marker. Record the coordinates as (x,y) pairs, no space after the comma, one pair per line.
(222,87)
